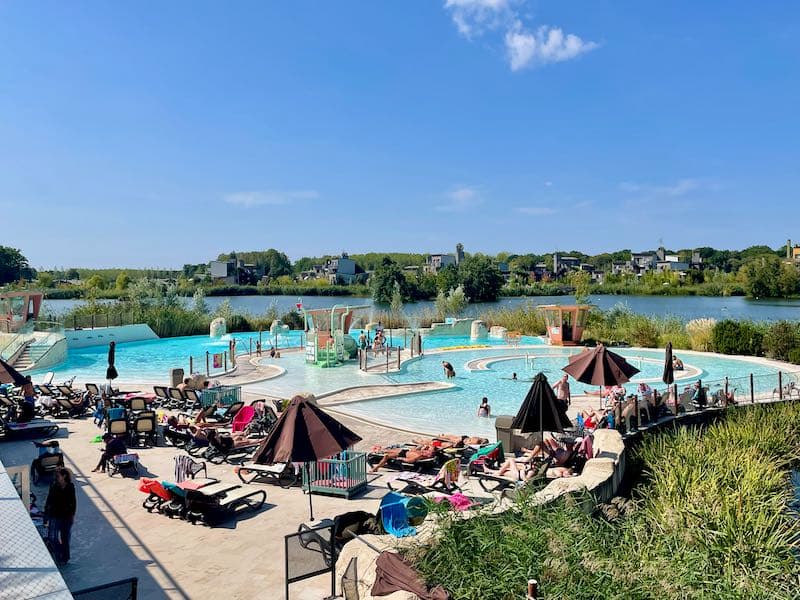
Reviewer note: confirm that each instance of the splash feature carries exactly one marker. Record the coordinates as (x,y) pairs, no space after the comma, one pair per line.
(327,341)
(218,328)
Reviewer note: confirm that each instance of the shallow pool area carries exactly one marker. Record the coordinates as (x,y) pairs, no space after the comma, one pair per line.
(483,367)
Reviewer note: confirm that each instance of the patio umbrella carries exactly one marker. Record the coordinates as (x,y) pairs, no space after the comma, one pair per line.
(304,433)
(600,367)
(111,372)
(669,375)
(540,411)
(9,374)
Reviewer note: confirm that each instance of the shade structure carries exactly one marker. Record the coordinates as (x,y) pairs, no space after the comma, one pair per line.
(304,433)
(111,372)
(540,411)
(669,375)
(600,367)
(9,374)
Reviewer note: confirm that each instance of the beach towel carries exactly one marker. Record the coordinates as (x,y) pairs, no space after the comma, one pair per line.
(397,510)
(393,574)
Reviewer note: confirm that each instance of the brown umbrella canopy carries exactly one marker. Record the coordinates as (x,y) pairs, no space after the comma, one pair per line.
(304,433)
(669,375)
(540,411)
(9,374)
(600,367)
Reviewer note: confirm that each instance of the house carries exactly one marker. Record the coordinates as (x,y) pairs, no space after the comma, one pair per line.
(563,264)
(222,271)
(343,269)
(792,253)
(505,271)
(435,262)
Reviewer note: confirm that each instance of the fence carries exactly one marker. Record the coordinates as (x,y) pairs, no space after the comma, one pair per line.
(224,395)
(249,344)
(343,475)
(681,397)
(211,363)
(377,360)
(310,552)
(107,319)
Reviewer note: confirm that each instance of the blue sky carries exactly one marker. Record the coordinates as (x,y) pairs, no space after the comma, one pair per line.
(151,134)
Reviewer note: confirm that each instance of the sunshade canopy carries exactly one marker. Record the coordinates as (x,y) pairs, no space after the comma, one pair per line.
(304,433)
(600,367)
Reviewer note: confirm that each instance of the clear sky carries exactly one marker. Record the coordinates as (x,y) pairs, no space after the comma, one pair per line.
(151,134)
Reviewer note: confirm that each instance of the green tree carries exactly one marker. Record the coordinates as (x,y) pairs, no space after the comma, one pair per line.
(13,265)
(447,278)
(761,276)
(481,278)
(581,281)
(123,281)
(96,282)
(383,281)
(45,280)
(397,302)
(72,274)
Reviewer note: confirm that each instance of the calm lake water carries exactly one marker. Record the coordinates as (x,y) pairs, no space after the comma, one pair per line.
(685,307)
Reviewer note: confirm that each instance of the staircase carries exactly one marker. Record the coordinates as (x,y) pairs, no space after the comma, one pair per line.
(24,359)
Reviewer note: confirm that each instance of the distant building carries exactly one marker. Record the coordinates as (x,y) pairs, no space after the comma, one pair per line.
(435,262)
(341,269)
(792,252)
(222,271)
(564,264)
(505,271)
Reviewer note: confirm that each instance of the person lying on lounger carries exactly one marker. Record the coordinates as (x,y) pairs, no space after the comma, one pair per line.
(227,442)
(409,455)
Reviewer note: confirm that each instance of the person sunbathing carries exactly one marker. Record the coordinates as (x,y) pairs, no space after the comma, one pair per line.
(226,442)
(550,449)
(409,455)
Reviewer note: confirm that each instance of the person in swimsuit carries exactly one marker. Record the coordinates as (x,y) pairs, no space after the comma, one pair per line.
(484,410)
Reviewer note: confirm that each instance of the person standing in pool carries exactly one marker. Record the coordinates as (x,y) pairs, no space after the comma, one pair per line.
(561,388)
(449,371)
(484,410)
(362,340)
(514,377)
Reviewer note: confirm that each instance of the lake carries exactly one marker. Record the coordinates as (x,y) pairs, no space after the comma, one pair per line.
(685,307)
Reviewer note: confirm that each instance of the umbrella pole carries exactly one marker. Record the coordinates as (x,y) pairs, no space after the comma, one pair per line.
(310,505)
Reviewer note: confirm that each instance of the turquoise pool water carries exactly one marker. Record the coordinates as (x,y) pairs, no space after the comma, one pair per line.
(152,360)
(484,371)
(455,409)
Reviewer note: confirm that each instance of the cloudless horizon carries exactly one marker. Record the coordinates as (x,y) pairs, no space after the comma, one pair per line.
(157,134)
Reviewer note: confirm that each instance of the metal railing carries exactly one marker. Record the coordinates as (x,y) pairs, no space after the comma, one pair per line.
(385,359)
(683,398)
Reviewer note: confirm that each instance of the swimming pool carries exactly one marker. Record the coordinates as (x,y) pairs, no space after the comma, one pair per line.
(483,369)
(455,409)
(152,360)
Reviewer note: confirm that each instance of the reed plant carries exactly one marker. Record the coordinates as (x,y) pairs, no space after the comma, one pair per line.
(524,318)
(712,520)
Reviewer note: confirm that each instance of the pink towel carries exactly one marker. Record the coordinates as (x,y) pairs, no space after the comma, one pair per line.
(458,501)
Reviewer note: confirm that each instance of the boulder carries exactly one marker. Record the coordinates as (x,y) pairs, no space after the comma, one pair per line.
(478,330)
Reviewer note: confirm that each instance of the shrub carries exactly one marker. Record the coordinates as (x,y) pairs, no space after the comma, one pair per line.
(794,356)
(737,337)
(525,318)
(780,339)
(700,332)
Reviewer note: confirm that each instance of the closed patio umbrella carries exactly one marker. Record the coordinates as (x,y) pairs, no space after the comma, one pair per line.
(600,367)
(540,411)
(304,433)
(111,372)
(9,374)
(669,374)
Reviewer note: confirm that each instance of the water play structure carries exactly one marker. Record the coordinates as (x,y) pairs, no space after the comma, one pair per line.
(327,341)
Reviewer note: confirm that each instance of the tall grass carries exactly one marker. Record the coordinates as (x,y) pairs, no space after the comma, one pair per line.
(524,318)
(712,521)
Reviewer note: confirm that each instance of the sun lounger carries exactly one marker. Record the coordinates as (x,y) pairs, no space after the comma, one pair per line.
(444,481)
(33,428)
(497,483)
(208,505)
(492,453)
(217,453)
(284,474)
(345,527)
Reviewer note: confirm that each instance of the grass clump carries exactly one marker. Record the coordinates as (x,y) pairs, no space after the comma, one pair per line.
(712,522)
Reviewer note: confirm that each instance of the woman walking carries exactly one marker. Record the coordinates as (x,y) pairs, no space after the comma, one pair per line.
(60,512)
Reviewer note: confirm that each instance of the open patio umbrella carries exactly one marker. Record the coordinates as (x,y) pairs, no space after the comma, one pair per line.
(540,411)
(669,375)
(304,433)
(111,372)
(9,374)
(600,367)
